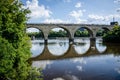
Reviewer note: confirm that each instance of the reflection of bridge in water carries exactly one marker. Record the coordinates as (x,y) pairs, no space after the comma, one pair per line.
(71,53)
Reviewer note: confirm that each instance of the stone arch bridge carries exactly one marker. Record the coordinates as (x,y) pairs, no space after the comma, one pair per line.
(70,28)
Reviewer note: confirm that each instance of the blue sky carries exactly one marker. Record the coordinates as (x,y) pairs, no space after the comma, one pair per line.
(73,11)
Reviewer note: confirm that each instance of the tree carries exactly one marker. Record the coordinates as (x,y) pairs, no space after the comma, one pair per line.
(113,35)
(60,33)
(80,33)
(14,42)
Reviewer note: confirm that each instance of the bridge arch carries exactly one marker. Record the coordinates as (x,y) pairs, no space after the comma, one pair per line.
(64,28)
(35,30)
(58,40)
(105,28)
(61,27)
(37,40)
(101,31)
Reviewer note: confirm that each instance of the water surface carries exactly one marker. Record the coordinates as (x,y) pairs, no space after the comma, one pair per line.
(99,63)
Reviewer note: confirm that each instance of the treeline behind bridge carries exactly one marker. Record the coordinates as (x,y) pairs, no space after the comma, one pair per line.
(63,33)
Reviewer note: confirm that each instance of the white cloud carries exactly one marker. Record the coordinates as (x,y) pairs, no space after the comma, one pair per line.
(77,16)
(118,9)
(58,79)
(67,77)
(78,5)
(41,64)
(96,17)
(37,11)
(102,19)
(116,1)
(80,68)
(70,77)
(55,21)
(109,17)
(118,70)
(79,60)
(78,21)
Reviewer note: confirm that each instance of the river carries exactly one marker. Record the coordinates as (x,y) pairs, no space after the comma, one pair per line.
(60,60)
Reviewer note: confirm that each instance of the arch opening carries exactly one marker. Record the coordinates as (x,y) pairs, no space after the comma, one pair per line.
(82,40)
(99,44)
(101,32)
(83,32)
(37,40)
(58,41)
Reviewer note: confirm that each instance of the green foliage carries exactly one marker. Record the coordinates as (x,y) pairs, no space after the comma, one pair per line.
(35,34)
(113,35)
(59,33)
(79,33)
(35,73)
(14,42)
(101,32)
(6,59)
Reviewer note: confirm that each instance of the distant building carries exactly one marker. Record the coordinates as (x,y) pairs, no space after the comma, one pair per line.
(114,23)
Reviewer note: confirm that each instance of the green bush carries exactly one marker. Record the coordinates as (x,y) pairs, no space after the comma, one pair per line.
(113,35)
(14,42)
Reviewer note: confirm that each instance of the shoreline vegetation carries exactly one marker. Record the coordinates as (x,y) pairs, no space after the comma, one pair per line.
(112,36)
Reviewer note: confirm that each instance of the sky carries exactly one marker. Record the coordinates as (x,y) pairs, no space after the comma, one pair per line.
(73,11)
